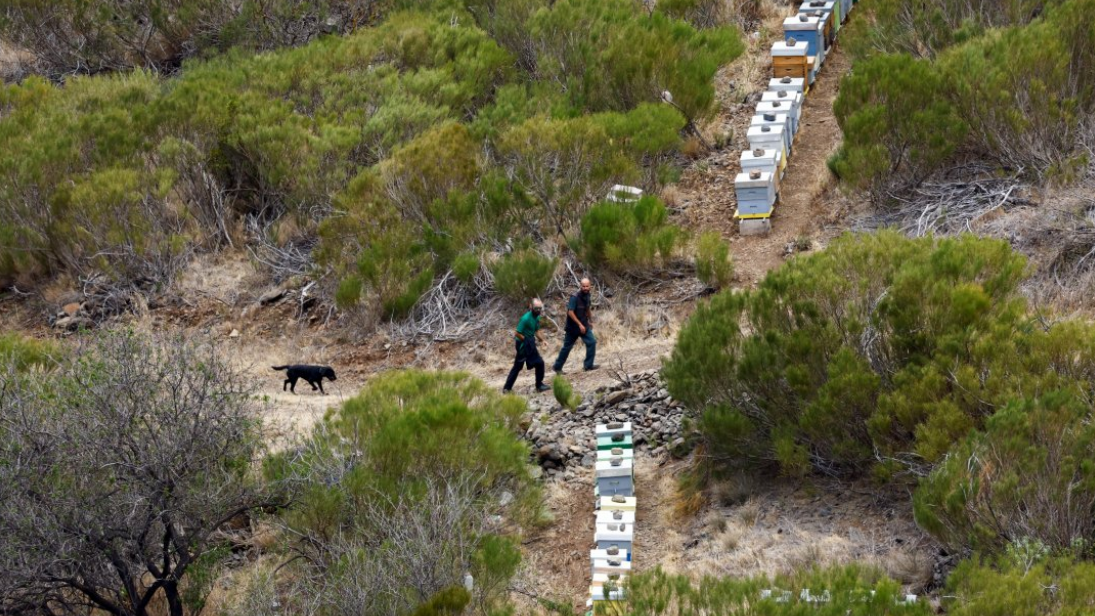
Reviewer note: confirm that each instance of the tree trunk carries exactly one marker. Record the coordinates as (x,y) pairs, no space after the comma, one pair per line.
(174,601)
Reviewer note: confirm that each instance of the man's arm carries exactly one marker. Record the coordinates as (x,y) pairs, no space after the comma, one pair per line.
(574,317)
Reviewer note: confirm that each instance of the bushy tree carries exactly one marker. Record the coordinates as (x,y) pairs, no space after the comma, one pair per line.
(396,493)
(879,352)
(523,274)
(898,123)
(629,236)
(116,473)
(73,36)
(713,264)
(1030,475)
(1027,581)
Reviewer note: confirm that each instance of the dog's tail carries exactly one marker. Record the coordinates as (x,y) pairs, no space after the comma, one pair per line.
(280,367)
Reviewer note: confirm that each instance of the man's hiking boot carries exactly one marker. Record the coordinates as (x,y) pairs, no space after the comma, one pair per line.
(542,387)
(559,371)
(593,367)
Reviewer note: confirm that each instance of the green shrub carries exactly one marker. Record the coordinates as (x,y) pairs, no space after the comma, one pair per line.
(466,267)
(396,489)
(898,125)
(24,353)
(880,352)
(847,591)
(627,237)
(564,393)
(523,275)
(713,265)
(617,55)
(1022,586)
(1029,474)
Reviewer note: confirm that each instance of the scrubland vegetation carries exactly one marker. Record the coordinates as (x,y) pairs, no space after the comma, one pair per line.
(390,148)
(468,135)
(1007,82)
(915,362)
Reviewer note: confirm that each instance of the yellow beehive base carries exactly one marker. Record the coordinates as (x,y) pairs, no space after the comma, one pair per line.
(754,216)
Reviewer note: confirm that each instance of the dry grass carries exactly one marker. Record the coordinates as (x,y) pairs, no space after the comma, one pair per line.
(715,522)
(734,491)
(15,63)
(731,538)
(693,148)
(749,513)
(909,567)
(671,195)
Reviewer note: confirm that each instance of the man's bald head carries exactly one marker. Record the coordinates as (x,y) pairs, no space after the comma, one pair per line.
(536,303)
(585,284)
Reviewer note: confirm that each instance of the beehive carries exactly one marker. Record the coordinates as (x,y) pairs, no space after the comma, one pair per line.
(611,595)
(624,194)
(766,138)
(609,579)
(608,536)
(784,107)
(775,120)
(807,28)
(618,517)
(845,8)
(765,161)
(616,503)
(617,441)
(789,59)
(615,452)
(611,566)
(794,99)
(612,429)
(829,10)
(615,476)
(787,84)
(756,194)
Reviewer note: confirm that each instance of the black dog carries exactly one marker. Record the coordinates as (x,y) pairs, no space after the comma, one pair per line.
(313,374)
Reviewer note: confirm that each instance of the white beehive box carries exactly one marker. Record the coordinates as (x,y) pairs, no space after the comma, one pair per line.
(609,553)
(800,23)
(786,107)
(766,161)
(775,120)
(795,98)
(609,579)
(615,534)
(624,194)
(599,593)
(615,452)
(614,467)
(787,84)
(613,566)
(613,429)
(766,138)
(615,517)
(790,47)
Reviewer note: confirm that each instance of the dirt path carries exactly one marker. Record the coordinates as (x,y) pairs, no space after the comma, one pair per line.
(705,194)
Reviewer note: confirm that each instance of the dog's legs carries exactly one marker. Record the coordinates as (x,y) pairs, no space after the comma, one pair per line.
(285,385)
(321,387)
(293,385)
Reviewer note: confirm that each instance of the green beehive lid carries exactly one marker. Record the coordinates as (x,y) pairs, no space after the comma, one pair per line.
(608,442)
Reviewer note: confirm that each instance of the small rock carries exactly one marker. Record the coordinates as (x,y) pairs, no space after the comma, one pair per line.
(614,397)
(234,334)
(505,499)
(535,472)
(73,323)
(71,309)
(271,296)
(621,417)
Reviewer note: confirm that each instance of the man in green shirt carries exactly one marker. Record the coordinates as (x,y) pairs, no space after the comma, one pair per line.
(527,354)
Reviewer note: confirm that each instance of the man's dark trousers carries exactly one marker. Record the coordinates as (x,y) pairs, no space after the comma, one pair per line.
(569,338)
(527,355)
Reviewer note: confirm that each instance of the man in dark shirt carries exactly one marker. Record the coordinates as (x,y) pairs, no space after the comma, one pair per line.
(524,339)
(579,324)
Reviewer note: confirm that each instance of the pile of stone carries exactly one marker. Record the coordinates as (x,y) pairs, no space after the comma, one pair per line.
(563,440)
